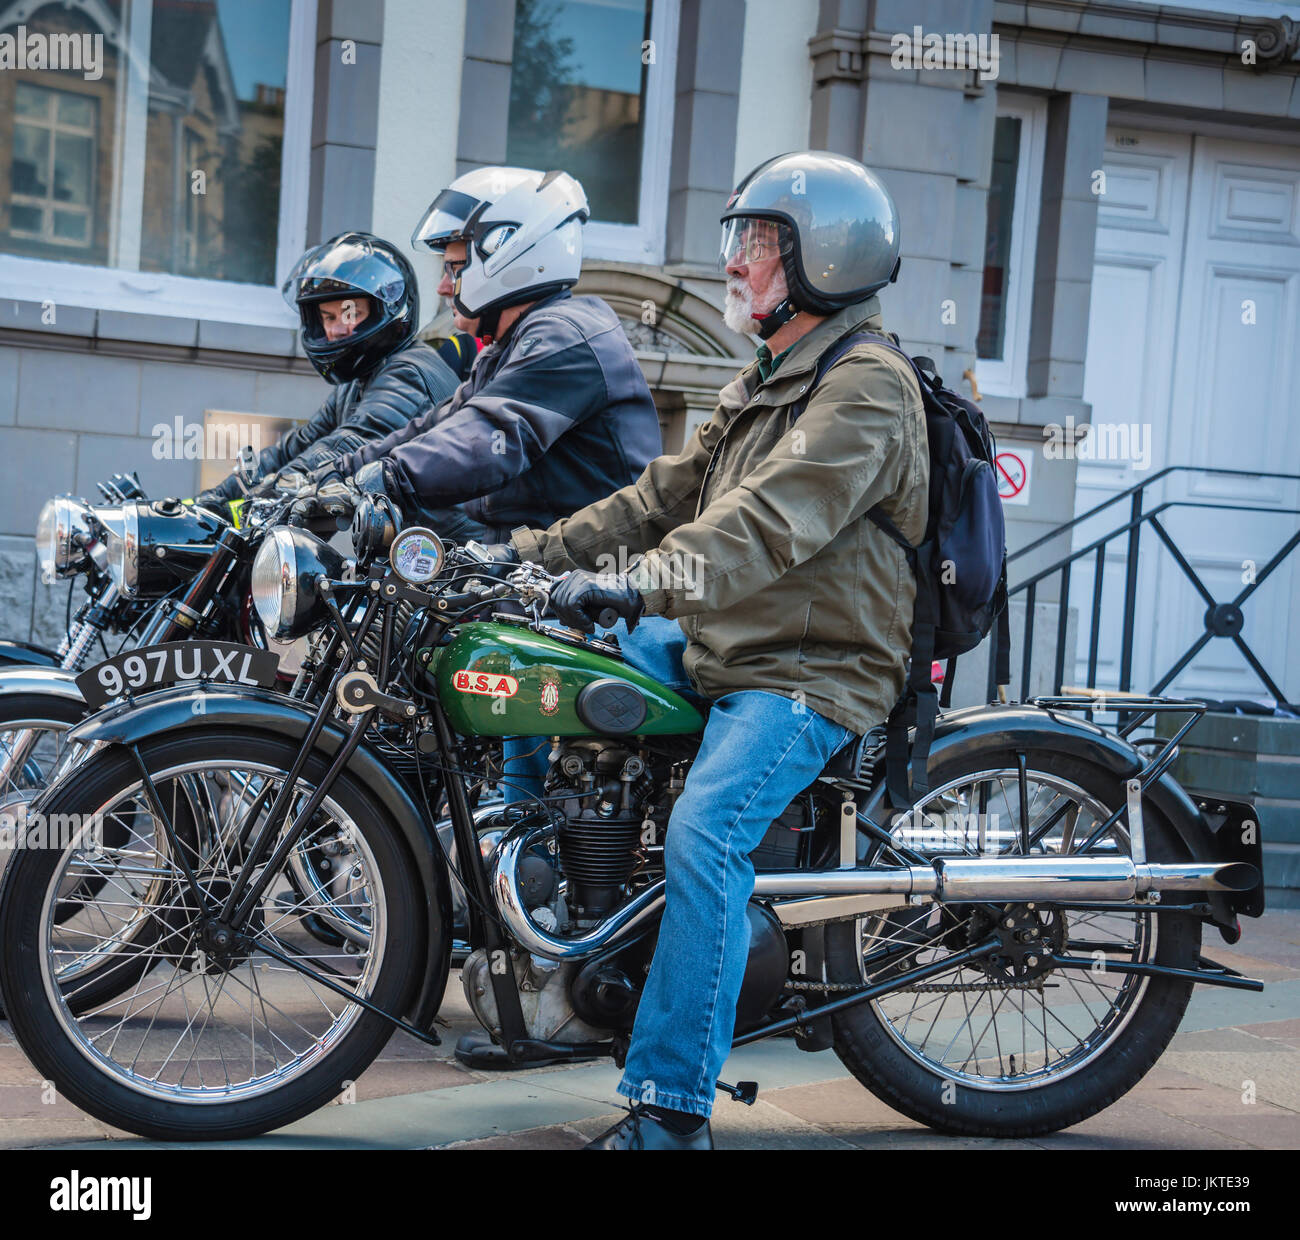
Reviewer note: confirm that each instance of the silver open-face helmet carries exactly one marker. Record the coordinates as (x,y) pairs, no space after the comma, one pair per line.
(836,227)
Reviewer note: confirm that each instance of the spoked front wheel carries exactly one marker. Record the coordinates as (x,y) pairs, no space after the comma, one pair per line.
(213,1035)
(1013,1045)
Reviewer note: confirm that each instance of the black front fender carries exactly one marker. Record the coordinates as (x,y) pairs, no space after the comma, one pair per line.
(185,707)
(963,734)
(26,654)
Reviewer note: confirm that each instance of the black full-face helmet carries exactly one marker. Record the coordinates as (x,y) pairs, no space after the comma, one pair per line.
(358,266)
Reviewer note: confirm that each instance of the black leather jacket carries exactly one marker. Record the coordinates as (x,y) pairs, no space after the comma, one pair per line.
(408,382)
(554,416)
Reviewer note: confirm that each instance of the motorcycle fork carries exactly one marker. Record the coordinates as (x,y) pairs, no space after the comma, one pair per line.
(177,619)
(484,929)
(243,894)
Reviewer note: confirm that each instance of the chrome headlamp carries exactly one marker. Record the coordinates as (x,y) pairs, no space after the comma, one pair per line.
(63,537)
(286,569)
(121,537)
(148,546)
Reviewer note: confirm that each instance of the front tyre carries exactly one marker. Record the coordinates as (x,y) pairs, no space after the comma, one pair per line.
(204,1043)
(1013,1047)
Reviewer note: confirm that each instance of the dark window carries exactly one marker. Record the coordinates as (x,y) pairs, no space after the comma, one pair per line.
(991,342)
(577,97)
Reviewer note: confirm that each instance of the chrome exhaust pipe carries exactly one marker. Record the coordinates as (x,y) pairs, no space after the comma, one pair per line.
(635,914)
(802,897)
(1056,879)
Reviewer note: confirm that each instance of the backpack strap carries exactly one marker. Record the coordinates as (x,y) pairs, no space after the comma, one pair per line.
(1002,656)
(824,363)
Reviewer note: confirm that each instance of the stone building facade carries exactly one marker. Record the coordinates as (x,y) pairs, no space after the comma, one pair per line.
(1076,225)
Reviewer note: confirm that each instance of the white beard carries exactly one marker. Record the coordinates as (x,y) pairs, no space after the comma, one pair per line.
(738,313)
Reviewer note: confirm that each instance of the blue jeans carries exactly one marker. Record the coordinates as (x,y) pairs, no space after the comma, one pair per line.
(759,751)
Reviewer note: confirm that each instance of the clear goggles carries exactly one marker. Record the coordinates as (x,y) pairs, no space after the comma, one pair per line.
(749,240)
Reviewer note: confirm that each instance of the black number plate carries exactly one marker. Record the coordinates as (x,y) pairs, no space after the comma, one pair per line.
(139,671)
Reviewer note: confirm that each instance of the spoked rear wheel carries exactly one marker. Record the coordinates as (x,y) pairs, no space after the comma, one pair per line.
(33,745)
(1013,1045)
(214,1036)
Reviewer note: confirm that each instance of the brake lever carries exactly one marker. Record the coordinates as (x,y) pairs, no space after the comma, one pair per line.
(534,585)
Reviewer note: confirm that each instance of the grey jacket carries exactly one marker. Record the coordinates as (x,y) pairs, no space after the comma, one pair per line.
(553,416)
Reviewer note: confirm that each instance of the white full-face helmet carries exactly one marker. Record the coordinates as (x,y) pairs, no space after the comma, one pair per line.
(523,231)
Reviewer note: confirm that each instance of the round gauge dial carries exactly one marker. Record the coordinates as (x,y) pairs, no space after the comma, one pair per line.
(417,555)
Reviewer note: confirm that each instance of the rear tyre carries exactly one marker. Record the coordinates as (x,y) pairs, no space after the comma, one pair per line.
(1014,1049)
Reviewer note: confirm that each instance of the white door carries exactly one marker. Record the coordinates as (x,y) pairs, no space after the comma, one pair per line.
(1194,324)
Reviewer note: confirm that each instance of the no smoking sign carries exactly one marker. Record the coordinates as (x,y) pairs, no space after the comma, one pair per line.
(1012,468)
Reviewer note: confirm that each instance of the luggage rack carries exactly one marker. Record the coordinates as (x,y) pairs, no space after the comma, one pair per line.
(1142,707)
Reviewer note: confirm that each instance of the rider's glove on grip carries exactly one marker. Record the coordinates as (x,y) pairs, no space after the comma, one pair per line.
(372,478)
(502,553)
(580,596)
(329,495)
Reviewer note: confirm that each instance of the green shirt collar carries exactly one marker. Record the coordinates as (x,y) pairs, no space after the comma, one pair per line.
(767,364)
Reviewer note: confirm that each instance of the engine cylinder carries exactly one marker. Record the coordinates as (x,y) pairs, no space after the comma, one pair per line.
(598,856)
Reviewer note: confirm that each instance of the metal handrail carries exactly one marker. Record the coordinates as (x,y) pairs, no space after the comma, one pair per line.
(1135,490)
(1222,619)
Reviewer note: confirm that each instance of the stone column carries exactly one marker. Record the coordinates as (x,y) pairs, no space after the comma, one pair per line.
(704,126)
(1067,232)
(345,117)
(485,84)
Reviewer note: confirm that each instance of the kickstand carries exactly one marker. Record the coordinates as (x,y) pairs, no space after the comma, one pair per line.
(744,1091)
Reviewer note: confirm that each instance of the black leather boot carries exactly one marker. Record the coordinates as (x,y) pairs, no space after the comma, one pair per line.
(640,1130)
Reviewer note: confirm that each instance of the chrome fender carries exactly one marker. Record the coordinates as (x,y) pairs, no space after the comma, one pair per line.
(27,678)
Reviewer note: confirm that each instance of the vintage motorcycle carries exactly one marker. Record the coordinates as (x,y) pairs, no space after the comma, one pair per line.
(1006,958)
(153,572)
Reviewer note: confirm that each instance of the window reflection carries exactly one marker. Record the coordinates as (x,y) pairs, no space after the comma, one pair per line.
(991,342)
(173,170)
(577,96)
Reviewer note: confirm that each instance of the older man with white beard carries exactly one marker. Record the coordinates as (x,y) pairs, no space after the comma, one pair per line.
(796,621)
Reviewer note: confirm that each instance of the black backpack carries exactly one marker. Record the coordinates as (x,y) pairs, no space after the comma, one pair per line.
(960,563)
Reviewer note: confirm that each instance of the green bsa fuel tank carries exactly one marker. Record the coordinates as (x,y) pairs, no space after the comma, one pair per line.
(505,680)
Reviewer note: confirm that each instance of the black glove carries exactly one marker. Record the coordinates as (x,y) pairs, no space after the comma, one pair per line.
(372,479)
(331,496)
(288,482)
(583,600)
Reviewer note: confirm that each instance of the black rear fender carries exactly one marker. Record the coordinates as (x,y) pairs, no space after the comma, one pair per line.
(964,734)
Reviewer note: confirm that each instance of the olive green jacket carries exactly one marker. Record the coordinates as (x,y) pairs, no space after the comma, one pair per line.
(756,537)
